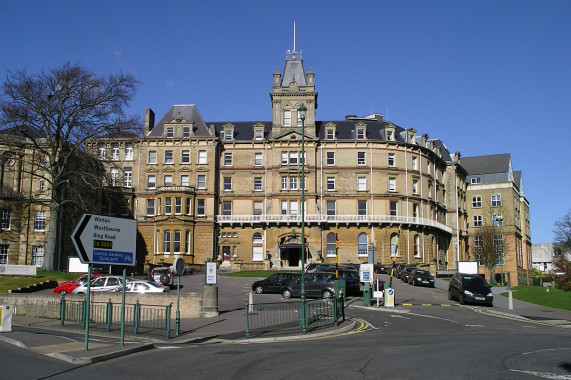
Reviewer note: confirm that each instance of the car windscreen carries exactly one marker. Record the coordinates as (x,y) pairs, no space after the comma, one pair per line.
(422,273)
(476,280)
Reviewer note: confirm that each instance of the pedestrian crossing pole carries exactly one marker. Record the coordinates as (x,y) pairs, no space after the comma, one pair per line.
(336,252)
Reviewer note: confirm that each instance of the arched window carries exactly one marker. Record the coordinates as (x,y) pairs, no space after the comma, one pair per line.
(416,245)
(257,238)
(331,250)
(394,246)
(362,244)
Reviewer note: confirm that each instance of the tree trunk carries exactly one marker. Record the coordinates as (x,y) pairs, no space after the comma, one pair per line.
(51,237)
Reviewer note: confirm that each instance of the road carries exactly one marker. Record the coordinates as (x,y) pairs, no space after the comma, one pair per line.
(444,342)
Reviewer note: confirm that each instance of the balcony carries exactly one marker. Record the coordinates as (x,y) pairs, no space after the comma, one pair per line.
(333,219)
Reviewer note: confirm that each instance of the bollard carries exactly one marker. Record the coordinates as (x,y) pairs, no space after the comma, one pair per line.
(62,310)
(251,302)
(109,315)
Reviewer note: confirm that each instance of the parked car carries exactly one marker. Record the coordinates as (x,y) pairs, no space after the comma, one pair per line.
(351,278)
(405,273)
(162,275)
(101,284)
(142,287)
(421,277)
(397,269)
(470,288)
(274,283)
(380,268)
(327,267)
(68,286)
(317,284)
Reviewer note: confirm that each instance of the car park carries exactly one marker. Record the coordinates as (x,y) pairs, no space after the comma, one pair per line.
(405,273)
(101,284)
(162,275)
(68,286)
(470,288)
(142,287)
(274,283)
(421,277)
(316,284)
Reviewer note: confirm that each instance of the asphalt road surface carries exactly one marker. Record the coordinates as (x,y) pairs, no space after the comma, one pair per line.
(436,341)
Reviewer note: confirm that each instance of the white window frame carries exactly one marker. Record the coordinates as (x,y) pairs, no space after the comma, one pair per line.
(361,183)
(185,157)
(258,159)
(151,181)
(202,157)
(152,157)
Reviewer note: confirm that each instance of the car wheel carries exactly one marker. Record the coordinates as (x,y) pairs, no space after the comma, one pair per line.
(450,295)
(327,294)
(63,291)
(286,293)
(165,279)
(259,290)
(461,299)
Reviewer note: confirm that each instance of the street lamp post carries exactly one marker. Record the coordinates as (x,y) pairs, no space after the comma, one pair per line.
(302,110)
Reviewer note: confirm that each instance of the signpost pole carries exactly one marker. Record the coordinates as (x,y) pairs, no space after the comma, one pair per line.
(123,307)
(177,304)
(86,343)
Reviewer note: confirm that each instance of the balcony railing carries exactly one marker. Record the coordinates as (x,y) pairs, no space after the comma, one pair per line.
(322,218)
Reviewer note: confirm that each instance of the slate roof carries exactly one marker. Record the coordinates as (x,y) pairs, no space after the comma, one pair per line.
(293,70)
(188,112)
(495,163)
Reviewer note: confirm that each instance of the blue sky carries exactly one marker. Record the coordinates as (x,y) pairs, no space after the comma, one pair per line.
(484,76)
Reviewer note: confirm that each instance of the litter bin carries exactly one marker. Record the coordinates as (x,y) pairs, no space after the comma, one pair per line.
(5,318)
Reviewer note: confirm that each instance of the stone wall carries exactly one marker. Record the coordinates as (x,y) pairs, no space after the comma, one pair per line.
(192,305)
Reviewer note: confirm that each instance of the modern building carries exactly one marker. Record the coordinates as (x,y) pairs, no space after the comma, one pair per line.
(497,198)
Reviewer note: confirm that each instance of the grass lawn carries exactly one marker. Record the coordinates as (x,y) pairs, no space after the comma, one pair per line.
(15,282)
(555,298)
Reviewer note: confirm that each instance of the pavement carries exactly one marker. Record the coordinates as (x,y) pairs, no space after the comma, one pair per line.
(67,342)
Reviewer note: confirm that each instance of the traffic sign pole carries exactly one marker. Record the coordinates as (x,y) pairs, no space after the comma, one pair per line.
(86,343)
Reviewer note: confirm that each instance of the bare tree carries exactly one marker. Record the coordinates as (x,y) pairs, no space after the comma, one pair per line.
(489,246)
(57,111)
(562,248)
(562,233)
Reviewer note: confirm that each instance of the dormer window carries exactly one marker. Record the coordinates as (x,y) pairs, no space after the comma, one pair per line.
(170,132)
(330,134)
(258,134)
(360,133)
(390,134)
(228,133)
(475,180)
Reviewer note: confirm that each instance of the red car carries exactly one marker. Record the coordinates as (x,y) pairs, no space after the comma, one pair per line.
(68,286)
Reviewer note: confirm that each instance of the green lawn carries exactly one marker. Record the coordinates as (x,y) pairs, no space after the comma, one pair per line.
(555,298)
(251,273)
(15,282)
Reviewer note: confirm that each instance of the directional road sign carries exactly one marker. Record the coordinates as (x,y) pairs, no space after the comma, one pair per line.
(105,240)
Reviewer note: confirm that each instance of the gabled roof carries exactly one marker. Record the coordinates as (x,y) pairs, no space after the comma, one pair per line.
(187,112)
(495,163)
(21,132)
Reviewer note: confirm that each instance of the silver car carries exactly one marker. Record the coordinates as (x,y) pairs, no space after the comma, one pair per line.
(100,284)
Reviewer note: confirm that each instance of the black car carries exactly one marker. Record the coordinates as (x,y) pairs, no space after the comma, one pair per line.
(405,273)
(351,278)
(421,277)
(380,268)
(317,285)
(470,288)
(274,283)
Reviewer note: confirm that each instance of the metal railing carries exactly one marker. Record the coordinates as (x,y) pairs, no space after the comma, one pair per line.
(265,317)
(137,316)
(323,218)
